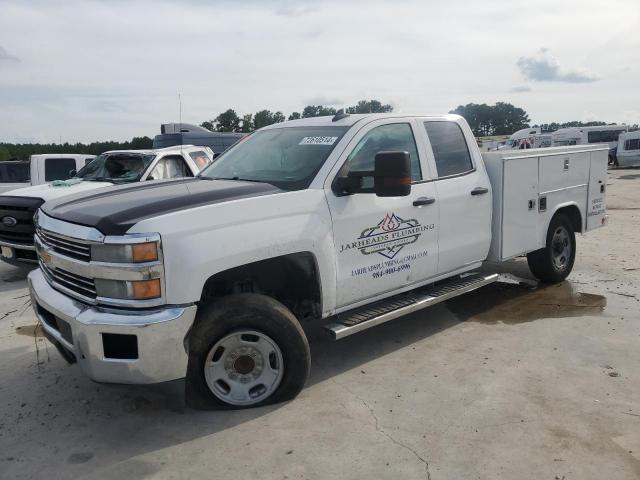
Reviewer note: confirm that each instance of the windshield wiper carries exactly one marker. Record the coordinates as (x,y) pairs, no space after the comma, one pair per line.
(236,178)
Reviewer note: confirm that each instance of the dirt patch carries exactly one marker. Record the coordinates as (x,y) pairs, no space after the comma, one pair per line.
(30,330)
(510,303)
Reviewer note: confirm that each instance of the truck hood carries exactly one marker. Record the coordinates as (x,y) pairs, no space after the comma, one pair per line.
(115,210)
(50,191)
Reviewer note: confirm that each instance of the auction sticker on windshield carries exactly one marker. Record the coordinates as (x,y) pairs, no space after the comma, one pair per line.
(318,141)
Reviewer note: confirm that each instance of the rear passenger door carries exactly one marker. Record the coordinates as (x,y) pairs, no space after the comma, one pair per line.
(464,196)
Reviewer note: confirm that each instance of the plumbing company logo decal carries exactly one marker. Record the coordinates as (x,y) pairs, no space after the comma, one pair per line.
(388,237)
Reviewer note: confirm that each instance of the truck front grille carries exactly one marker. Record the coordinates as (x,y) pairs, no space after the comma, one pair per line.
(78,284)
(65,246)
(22,210)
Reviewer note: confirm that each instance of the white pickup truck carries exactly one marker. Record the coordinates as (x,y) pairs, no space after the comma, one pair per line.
(40,169)
(116,167)
(352,220)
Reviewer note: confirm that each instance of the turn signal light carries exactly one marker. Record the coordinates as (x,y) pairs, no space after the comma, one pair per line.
(144,252)
(145,289)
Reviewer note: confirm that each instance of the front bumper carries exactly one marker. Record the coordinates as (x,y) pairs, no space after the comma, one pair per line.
(20,253)
(88,333)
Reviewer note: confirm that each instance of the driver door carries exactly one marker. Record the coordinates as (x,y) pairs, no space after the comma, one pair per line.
(383,244)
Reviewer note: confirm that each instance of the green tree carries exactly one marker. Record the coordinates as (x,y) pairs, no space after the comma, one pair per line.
(262,119)
(247,123)
(266,117)
(228,121)
(208,124)
(295,116)
(317,111)
(499,119)
(370,106)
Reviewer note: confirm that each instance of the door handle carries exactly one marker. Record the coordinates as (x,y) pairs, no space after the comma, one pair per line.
(479,191)
(423,201)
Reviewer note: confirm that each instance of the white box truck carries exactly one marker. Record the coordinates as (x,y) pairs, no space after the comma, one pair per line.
(351,221)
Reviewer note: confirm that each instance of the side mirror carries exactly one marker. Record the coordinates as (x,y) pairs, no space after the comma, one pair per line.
(392,174)
(150,178)
(72,172)
(347,185)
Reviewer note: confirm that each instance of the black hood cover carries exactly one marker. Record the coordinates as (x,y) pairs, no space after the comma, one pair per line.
(114,210)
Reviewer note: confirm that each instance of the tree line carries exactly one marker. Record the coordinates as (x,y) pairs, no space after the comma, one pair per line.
(230,121)
(22,151)
(485,120)
(504,119)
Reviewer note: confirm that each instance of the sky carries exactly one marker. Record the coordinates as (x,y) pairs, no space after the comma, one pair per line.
(109,70)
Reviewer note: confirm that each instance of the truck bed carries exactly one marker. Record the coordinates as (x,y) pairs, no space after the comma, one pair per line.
(529,186)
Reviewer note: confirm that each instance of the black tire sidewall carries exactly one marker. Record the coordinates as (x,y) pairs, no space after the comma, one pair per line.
(246,311)
(561,221)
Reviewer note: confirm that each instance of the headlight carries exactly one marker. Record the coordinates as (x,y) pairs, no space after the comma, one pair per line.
(125,253)
(129,289)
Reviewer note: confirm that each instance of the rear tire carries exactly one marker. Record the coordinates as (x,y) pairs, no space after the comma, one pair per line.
(245,350)
(554,262)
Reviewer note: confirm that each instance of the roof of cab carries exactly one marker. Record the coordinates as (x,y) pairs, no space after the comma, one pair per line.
(174,148)
(349,120)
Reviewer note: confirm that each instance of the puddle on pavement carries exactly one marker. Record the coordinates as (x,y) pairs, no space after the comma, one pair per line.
(631,176)
(30,330)
(512,303)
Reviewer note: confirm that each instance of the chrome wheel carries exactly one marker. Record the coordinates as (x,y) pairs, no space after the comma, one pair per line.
(244,368)
(561,248)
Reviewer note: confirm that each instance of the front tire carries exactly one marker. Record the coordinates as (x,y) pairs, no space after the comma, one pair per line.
(554,262)
(245,350)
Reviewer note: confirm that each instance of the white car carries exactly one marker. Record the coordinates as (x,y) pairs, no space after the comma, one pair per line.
(350,221)
(116,167)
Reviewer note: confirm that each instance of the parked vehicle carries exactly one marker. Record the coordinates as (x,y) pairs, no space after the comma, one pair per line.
(352,220)
(173,134)
(17,207)
(587,135)
(40,169)
(628,152)
(527,138)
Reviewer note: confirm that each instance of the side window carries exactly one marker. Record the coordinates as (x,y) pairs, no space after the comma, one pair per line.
(449,148)
(58,168)
(633,144)
(200,158)
(385,138)
(595,137)
(170,167)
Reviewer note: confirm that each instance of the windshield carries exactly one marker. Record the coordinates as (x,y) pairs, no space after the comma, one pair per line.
(116,167)
(288,158)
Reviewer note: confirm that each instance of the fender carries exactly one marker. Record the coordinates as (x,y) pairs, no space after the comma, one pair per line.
(578,219)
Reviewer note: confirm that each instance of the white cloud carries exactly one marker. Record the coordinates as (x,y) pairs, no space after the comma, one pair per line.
(543,67)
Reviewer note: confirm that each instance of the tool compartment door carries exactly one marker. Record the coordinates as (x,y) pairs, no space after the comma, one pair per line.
(596,206)
(519,207)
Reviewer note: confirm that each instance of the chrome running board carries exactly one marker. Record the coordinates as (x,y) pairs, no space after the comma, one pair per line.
(382,311)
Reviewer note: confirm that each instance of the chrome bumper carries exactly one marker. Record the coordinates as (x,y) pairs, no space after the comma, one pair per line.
(159,334)
(20,246)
